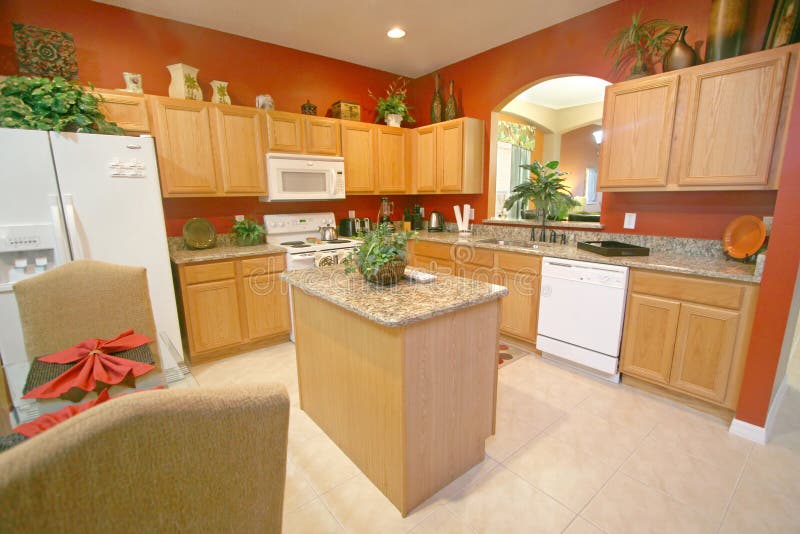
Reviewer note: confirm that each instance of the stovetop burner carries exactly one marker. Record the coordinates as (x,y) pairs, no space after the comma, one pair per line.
(337,241)
(290,243)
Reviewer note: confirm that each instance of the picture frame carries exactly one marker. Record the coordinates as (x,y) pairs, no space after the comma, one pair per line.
(784,24)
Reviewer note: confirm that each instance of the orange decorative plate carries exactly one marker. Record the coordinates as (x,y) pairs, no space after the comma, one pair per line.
(744,236)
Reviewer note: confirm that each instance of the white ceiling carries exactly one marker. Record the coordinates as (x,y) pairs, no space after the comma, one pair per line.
(566,92)
(438,32)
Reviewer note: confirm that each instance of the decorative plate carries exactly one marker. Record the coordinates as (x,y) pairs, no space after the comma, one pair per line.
(744,236)
(199,233)
(43,52)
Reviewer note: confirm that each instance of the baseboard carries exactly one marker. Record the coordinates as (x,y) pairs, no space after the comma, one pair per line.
(760,434)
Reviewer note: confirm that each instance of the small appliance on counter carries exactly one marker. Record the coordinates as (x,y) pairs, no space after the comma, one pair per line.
(385,210)
(436,222)
(347,227)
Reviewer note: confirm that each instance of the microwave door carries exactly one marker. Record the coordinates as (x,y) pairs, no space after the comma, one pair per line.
(304,183)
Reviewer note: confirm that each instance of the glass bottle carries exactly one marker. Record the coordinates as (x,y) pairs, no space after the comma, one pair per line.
(436,103)
(451,108)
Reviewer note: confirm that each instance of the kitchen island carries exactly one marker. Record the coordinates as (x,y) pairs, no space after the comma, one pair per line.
(402,378)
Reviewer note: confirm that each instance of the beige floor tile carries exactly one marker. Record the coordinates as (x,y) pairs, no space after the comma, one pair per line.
(459,485)
(555,386)
(596,436)
(443,521)
(321,461)
(625,505)
(501,501)
(313,518)
(298,489)
(757,507)
(520,417)
(562,470)
(302,427)
(624,406)
(582,526)
(703,485)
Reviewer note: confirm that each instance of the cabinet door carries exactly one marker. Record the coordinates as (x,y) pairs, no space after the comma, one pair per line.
(284,132)
(239,140)
(391,160)
(450,155)
(649,337)
(732,119)
(185,149)
(323,136)
(638,120)
(213,315)
(520,309)
(266,300)
(436,265)
(359,163)
(129,111)
(704,350)
(424,157)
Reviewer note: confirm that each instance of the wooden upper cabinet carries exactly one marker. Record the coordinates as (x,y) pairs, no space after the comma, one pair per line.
(732,119)
(423,143)
(284,131)
(358,147)
(186,161)
(649,337)
(638,120)
(128,110)
(450,146)
(238,134)
(391,160)
(323,136)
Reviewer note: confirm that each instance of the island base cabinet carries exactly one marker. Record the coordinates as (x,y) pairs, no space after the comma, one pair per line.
(411,406)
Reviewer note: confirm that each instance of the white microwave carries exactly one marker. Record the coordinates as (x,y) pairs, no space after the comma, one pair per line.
(304,177)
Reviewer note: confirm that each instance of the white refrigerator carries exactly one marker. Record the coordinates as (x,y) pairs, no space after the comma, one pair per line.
(71,196)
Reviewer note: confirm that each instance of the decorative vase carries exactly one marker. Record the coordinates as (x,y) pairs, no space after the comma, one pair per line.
(451,108)
(133,82)
(184,82)
(393,119)
(680,55)
(308,108)
(726,26)
(265,102)
(219,92)
(389,273)
(436,103)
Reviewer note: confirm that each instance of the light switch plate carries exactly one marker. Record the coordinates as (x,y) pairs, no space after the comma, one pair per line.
(630,221)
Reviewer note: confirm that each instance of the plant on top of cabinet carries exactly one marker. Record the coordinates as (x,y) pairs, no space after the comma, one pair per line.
(33,103)
(393,109)
(641,44)
(546,189)
(248,232)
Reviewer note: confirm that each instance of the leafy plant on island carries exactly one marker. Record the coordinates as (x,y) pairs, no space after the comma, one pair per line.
(642,44)
(34,103)
(379,248)
(394,102)
(546,188)
(248,231)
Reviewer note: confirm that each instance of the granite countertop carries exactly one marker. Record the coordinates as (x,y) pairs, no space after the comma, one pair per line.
(714,267)
(226,248)
(398,305)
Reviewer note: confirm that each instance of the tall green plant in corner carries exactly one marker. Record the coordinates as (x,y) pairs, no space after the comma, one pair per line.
(33,103)
(546,188)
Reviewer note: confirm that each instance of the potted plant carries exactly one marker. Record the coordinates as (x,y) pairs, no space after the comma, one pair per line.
(546,189)
(34,103)
(393,109)
(381,258)
(642,44)
(248,232)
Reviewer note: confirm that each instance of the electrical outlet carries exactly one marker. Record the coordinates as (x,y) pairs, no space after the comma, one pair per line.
(630,221)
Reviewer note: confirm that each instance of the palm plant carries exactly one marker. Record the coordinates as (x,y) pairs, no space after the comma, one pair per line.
(547,189)
(643,43)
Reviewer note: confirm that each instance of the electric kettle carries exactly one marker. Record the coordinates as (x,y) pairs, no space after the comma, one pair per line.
(436,222)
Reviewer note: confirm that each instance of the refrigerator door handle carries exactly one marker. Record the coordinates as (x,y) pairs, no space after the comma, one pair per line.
(72,227)
(62,254)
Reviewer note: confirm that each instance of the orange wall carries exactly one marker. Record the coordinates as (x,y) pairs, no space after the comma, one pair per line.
(578,152)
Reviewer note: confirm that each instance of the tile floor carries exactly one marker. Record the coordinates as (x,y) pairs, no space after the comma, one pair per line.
(571,454)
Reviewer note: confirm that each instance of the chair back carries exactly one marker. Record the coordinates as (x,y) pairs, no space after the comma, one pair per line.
(81,300)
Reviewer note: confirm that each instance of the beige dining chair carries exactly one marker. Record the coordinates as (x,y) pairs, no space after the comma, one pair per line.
(182,460)
(82,300)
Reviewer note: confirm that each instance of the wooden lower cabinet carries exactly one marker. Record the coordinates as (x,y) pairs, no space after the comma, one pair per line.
(689,334)
(232,305)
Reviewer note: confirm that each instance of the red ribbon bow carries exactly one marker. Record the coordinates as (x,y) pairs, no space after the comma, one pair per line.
(43,422)
(95,368)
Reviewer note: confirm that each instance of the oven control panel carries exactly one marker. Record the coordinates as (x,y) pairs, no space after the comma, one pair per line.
(296,223)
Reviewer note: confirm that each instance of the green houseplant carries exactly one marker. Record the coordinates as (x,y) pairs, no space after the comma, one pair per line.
(248,232)
(642,44)
(393,104)
(546,188)
(381,258)
(33,103)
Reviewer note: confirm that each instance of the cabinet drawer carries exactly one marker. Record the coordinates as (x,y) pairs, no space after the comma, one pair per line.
(509,261)
(474,256)
(434,250)
(264,265)
(686,288)
(209,271)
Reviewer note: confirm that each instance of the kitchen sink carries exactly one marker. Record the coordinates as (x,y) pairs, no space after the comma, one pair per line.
(521,244)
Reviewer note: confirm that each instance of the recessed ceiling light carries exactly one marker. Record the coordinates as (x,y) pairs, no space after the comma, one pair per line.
(396,33)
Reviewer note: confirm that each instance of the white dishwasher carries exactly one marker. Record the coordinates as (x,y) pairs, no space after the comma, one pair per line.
(581,311)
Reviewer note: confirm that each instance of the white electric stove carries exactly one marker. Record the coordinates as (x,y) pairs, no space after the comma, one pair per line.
(293,232)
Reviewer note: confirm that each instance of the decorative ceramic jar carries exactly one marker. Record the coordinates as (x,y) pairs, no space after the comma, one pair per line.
(265,102)
(184,82)
(436,104)
(393,119)
(308,108)
(219,92)
(680,55)
(133,82)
